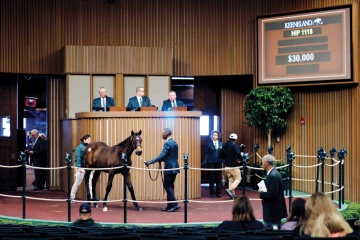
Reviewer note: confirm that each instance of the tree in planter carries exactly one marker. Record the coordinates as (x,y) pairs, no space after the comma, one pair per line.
(267,107)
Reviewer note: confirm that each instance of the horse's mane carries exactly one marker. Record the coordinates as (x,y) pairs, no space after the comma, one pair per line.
(123,143)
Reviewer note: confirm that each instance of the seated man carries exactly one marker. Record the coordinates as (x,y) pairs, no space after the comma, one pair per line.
(139,100)
(171,102)
(103,102)
(85,219)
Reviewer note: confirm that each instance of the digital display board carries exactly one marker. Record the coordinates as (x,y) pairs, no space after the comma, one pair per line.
(310,46)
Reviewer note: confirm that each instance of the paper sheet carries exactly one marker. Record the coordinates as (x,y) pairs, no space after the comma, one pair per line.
(262,184)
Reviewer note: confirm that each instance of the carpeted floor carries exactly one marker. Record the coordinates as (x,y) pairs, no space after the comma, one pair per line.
(211,210)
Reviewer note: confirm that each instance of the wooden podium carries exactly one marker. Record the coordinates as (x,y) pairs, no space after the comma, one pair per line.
(179,108)
(148,109)
(121,109)
(115,126)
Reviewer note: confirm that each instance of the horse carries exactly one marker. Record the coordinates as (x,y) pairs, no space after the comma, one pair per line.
(100,155)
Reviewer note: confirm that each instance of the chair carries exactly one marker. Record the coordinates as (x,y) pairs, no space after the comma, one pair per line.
(285,235)
(351,222)
(349,237)
(21,235)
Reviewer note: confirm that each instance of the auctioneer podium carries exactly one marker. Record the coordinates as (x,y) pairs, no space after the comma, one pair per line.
(115,126)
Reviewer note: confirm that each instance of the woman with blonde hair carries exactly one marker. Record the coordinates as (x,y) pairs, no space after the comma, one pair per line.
(330,224)
(317,204)
(243,217)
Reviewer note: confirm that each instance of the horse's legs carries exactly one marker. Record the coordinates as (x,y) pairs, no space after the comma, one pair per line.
(88,191)
(131,190)
(93,184)
(108,187)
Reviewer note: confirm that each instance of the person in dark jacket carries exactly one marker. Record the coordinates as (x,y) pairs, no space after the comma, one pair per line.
(80,164)
(171,102)
(103,102)
(38,155)
(230,152)
(273,200)
(213,161)
(139,100)
(85,219)
(169,155)
(243,217)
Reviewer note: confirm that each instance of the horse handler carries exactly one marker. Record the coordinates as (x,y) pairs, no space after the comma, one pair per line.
(79,163)
(169,154)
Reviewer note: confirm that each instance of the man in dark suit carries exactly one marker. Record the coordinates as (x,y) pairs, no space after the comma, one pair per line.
(38,155)
(169,154)
(171,102)
(103,102)
(139,100)
(273,200)
(213,161)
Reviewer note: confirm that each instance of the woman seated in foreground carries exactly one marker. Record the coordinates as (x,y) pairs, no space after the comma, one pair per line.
(297,215)
(330,224)
(243,217)
(317,204)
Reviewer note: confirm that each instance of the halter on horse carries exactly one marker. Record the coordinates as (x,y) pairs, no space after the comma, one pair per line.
(100,155)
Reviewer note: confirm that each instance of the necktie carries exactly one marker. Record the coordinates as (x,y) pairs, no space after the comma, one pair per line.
(215,145)
(140,102)
(174,103)
(104,105)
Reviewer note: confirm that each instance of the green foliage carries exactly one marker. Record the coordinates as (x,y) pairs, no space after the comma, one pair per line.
(267,107)
(352,210)
(262,173)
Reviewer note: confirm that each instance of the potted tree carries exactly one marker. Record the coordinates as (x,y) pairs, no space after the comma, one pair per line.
(267,107)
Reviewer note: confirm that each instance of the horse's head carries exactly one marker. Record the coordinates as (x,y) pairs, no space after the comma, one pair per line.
(136,142)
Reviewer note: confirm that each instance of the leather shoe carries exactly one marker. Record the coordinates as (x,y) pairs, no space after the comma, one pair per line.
(164,209)
(212,195)
(218,195)
(173,209)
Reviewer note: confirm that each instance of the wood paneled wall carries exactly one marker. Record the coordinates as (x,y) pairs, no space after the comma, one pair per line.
(56,106)
(115,59)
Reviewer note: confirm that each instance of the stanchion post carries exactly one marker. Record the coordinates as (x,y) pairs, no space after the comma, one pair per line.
(245,160)
(23,159)
(332,155)
(68,161)
(319,151)
(344,152)
(124,159)
(341,156)
(256,148)
(323,155)
(186,168)
(290,156)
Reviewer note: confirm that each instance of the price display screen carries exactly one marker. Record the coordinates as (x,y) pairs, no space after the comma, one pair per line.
(302,47)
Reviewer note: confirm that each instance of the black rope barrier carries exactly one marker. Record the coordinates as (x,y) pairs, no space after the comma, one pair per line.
(290,156)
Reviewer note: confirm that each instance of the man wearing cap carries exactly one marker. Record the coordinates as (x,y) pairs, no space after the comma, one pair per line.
(85,219)
(273,200)
(230,152)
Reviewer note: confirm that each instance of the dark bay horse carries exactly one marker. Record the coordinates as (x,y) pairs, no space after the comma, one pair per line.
(100,155)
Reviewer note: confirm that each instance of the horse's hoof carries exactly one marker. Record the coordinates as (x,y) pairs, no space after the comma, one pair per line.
(139,209)
(105,209)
